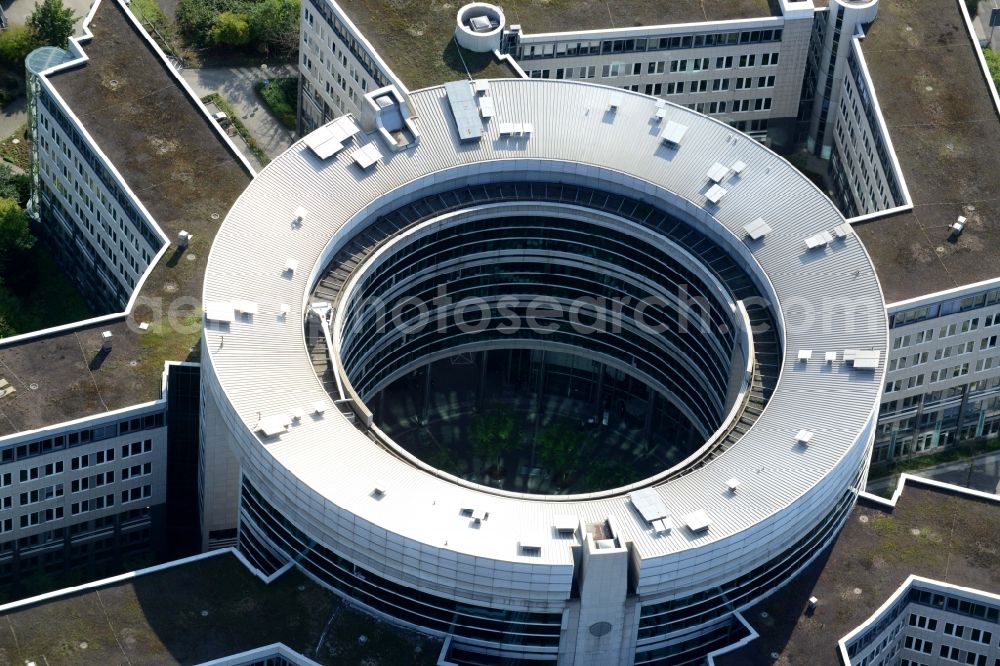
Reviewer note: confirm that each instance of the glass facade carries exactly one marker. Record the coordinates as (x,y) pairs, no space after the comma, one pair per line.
(270,539)
(683,341)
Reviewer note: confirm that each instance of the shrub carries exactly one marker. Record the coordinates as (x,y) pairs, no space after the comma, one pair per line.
(147,11)
(16,42)
(15,236)
(229,29)
(271,24)
(197,17)
(14,185)
(281,96)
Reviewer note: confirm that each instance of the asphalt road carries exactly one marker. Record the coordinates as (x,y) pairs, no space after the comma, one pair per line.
(979,473)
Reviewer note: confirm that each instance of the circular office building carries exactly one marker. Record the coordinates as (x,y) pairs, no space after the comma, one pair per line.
(553,371)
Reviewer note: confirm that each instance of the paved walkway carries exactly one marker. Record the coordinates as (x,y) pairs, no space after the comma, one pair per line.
(236,86)
(17,11)
(12,117)
(979,473)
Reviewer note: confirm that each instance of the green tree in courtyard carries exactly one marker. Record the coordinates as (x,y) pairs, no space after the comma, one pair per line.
(492,432)
(275,23)
(557,447)
(51,23)
(15,235)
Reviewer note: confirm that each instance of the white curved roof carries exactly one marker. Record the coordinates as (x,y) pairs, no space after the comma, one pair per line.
(264,369)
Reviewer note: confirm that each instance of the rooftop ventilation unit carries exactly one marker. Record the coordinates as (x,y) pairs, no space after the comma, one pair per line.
(615,102)
(862,359)
(106,337)
(649,504)
(830,357)
(819,240)
(803,437)
(717,172)
(487,109)
(805,355)
(183,239)
(516,129)
(480,24)
(300,215)
(273,425)
(220,312)
(320,407)
(291,265)
(733,484)
(842,230)
(366,156)
(662,525)
(697,521)
(661,110)
(739,167)
(757,229)
(245,307)
(715,193)
(673,133)
(529,548)
(464,110)
(565,524)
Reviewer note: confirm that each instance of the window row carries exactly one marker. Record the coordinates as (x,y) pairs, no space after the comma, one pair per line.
(963,304)
(92,504)
(80,437)
(41,494)
(564,49)
(92,459)
(32,473)
(41,517)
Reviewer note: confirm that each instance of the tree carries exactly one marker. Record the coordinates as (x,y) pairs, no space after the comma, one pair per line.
(51,23)
(15,235)
(16,42)
(230,29)
(14,185)
(195,18)
(6,330)
(558,447)
(275,23)
(492,432)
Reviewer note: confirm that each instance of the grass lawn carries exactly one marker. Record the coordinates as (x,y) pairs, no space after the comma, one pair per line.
(204,610)
(46,298)
(16,148)
(993,61)
(281,96)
